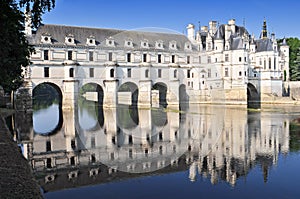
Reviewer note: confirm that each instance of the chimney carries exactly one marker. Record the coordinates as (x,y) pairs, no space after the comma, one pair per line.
(231,23)
(191,32)
(212,27)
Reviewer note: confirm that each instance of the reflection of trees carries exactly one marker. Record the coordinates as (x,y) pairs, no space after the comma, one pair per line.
(44,96)
(127,117)
(89,106)
(294,137)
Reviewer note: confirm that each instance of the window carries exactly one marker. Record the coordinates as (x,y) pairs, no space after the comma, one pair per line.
(48,145)
(188,59)
(129,72)
(48,163)
(199,60)
(226,57)
(245,59)
(130,153)
(188,73)
(46,72)
(144,57)
(265,64)
(260,62)
(91,72)
(159,58)
(70,57)
(226,72)
(209,59)
(146,73)
(93,158)
(175,73)
(128,57)
(216,60)
(110,56)
(159,73)
(73,144)
(46,54)
(173,59)
(275,63)
(91,56)
(160,136)
(130,139)
(72,160)
(112,156)
(112,72)
(240,73)
(240,59)
(93,142)
(209,73)
(160,150)
(71,72)
(270,63)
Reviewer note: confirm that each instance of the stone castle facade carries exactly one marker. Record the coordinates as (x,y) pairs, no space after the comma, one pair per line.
(216,64)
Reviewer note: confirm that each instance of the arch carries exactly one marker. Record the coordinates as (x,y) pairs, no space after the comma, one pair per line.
(46,98)
(253,97)
(130,87)
(183,98)
(162,88)
(90,100)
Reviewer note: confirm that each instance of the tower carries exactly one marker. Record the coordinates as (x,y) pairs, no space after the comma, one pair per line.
(28,23)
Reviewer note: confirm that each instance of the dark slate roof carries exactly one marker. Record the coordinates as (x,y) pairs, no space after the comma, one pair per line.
(263,45)
(59,32)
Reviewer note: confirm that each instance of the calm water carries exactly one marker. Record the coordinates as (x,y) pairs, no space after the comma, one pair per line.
(203,152)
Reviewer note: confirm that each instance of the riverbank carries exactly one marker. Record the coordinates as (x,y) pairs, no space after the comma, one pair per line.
(16,178)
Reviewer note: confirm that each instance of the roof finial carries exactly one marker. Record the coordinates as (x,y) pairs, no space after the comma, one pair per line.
(264,32)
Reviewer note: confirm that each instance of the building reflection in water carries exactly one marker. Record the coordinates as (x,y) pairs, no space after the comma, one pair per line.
(96,146)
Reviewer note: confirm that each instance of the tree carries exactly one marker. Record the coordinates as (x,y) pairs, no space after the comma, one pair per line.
(15,50)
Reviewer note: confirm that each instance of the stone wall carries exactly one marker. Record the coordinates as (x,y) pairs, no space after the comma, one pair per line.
(292,89)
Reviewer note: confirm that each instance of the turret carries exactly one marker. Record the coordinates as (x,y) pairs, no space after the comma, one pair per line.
(252,45)
(285,49)
(212,27)
(219,42)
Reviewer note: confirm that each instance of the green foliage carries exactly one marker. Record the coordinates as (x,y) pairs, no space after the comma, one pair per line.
(15,50)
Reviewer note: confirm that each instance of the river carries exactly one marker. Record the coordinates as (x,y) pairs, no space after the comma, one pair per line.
(205,151)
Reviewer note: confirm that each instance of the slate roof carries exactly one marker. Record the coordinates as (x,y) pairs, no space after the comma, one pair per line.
(59,32)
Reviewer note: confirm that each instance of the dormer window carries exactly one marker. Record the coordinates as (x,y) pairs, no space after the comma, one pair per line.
(128,43)
(173,45)
(159,44)
(188,46)
(91,41)
(46,38)
(69,39)
(144,44)
(110,42)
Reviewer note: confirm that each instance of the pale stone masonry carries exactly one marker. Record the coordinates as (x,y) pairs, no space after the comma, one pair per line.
(216,64)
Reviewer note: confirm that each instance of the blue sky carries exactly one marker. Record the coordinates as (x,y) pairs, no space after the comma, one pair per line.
(283,16)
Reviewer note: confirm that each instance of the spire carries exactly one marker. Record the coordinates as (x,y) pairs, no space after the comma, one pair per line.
(264,32)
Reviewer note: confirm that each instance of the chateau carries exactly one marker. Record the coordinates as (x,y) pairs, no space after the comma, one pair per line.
(215,64)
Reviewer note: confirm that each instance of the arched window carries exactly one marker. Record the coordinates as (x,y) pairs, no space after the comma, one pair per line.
(270,63)
(112,72)
(175,73)
(265,64)
(71,72)
(146,73)
(275,63)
